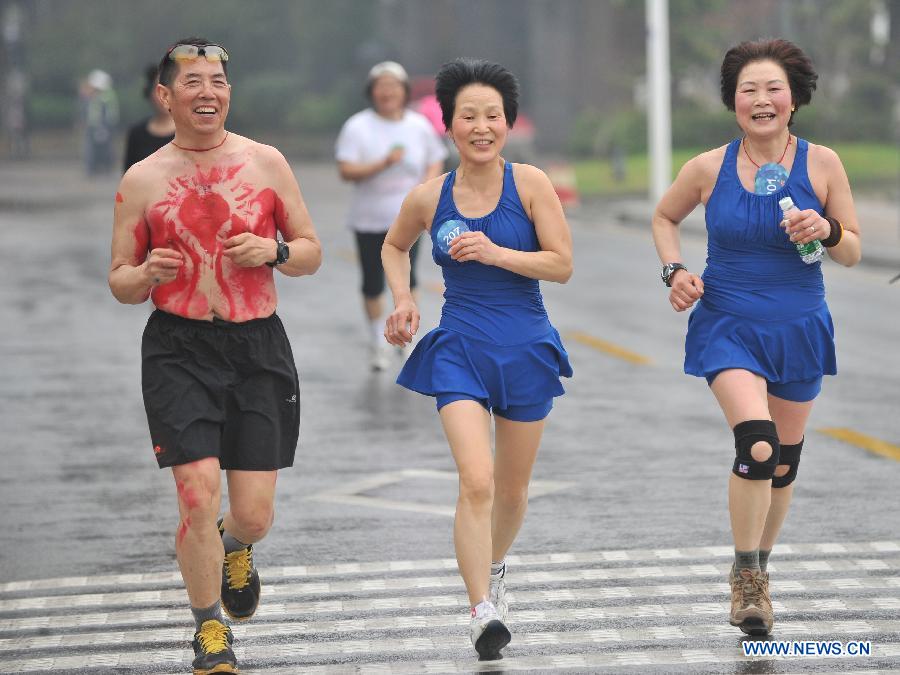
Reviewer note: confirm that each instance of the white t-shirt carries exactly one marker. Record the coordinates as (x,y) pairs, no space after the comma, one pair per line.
(368,137)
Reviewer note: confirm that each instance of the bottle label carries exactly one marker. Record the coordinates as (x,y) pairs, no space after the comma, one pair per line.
(810,247)
(810,252)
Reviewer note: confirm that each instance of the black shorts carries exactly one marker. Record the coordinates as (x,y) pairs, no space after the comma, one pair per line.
(220,389)
(368,246)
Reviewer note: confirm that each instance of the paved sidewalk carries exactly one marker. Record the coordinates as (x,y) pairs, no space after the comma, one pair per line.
(42,184)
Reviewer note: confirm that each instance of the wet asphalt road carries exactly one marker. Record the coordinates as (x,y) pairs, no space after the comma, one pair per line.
(635,458)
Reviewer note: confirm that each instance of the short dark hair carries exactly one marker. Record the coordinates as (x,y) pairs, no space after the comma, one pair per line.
(167,67)
(796,64)
(462,72)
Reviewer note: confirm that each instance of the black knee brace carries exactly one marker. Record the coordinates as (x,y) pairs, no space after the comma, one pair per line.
(790,455)
(745,435)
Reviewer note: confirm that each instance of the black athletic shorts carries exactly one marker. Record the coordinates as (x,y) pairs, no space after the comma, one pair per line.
(368,246)
(220,389)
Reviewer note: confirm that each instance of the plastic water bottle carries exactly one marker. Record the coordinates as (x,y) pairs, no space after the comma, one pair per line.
(811,252)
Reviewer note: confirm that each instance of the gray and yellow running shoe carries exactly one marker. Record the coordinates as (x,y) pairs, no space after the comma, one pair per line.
(240,583)
(212,649)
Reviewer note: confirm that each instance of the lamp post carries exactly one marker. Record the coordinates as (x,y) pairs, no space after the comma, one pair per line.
(659,108)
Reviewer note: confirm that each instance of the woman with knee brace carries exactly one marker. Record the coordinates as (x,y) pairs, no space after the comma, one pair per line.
(497,229)
(761,333)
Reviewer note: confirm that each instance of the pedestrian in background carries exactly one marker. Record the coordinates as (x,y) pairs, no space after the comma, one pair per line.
(15,114)
(761,333)
(497,229)
(100,119)
(196,230)
(151,133)
(385,151)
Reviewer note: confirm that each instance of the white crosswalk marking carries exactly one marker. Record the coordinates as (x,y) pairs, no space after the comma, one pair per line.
(645,610)
(549,559)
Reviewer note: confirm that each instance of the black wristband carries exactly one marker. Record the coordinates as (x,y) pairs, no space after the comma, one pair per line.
(282,253)
(837,231)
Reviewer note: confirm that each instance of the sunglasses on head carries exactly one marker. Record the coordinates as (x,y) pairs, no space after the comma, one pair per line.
(191,52)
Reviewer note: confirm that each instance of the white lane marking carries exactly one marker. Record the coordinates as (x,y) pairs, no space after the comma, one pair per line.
(355,586)
(423,622)
(351,492)
(319,607)
(455,642)
(449,564)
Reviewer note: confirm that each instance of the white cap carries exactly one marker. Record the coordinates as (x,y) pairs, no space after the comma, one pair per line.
(786,203)
(99,79)
(391,68)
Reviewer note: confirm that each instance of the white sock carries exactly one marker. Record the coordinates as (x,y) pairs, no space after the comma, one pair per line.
(498,569)
(376,331)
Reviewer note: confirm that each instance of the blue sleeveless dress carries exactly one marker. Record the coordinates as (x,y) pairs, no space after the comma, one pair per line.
(763,309)
(495,342)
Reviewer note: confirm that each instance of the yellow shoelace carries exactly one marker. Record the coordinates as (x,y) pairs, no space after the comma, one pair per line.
(238,565)
(213,637)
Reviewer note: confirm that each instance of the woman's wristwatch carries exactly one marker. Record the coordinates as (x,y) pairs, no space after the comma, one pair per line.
(668,270)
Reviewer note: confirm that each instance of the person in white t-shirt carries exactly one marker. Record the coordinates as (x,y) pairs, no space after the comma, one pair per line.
(385,150)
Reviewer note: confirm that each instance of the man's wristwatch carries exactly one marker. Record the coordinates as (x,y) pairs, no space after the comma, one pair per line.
(283,252)
(668,270)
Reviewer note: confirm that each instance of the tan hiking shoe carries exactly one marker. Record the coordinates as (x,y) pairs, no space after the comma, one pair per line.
(751,607)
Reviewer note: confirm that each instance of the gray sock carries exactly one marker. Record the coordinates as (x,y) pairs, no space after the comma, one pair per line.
(214,611)
(746,560)
(498,569)
(231,544)
(764,559)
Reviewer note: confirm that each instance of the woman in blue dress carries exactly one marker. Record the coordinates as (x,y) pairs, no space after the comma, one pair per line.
(497,229)
(760,333)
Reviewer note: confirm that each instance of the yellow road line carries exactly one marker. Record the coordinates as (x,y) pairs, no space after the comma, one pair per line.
(869,443)
(609,348)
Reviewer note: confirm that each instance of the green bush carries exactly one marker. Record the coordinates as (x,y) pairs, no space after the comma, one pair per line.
(865,112)
(263,100)
(598,134)
(52,111)
(317,113)
(694,126)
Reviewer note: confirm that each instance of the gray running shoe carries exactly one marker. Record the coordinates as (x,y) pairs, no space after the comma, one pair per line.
(498,595)
(488,632)
(240,582)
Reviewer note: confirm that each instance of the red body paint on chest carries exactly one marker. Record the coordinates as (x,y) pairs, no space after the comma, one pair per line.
(119,198)
(198,215)
(205,214)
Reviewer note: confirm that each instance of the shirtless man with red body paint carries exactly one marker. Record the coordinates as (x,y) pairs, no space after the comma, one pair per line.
(196,230)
